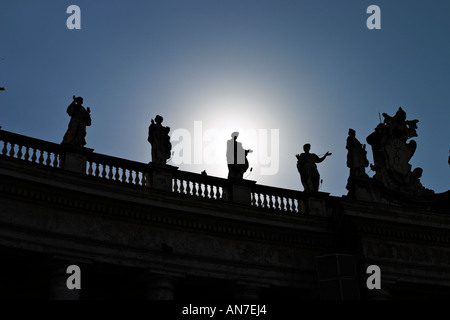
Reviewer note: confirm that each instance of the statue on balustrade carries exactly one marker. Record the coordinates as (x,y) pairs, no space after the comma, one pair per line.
(80,118)
(159,138)
(356,156)
(306,166)
(392,152)
(236,158)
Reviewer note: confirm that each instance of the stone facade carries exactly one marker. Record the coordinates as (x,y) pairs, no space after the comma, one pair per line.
(146,231)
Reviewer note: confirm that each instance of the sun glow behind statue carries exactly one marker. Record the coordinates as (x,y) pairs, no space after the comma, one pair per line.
(203,146)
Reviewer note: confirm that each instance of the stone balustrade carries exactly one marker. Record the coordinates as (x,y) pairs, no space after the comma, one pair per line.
(154,176)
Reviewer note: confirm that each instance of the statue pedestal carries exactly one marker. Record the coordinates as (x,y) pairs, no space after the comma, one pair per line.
(241,191)
(362,189)
(315,203)
(162,177)
(75,158)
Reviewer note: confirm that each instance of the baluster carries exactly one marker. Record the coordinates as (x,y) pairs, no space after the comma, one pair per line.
(97,170)
(188,187)
(271,204)
(19,152)
(110,172)
(34,156)
(55,160)
(137,180)
(117,176)
(252,201)
(5,149)
(283,207)
(90,168)
(48,160)
(294,206)
(195,190)
(41,157)
(181,187)
(219,192)
(124,175)
(104,171)
(12,152)
(276,204)
(259,203)
(202,190)
(130,177)
(288,206)
(27,154)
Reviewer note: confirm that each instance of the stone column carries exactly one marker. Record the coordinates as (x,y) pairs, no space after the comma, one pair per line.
(160,287)
(58,289)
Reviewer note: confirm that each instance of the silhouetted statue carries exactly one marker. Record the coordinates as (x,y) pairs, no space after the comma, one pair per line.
(306,165)
(80,118)
(159,138)
(236,158)
(392,152)
(356,156)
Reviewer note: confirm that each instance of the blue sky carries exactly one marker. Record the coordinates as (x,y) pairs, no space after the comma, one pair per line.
(310,69)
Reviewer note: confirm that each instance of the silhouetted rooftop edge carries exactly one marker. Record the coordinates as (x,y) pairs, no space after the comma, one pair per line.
(36,151)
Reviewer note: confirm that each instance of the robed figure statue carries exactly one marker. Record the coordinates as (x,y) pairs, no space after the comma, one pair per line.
(356,156)
(306,166)
(236,158)
(159,138)
(80,118)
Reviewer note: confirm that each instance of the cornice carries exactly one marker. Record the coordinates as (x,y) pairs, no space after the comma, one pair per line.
(145,214)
